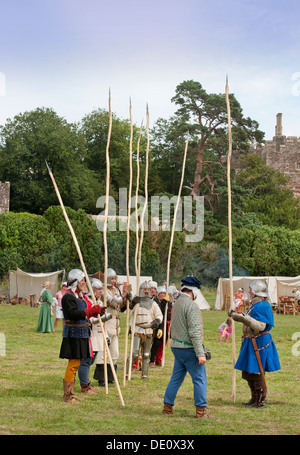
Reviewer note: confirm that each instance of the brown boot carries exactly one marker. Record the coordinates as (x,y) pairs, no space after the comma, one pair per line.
(261,394)
(168,409)
(86,388)
(253,395)
(201,412)
(69,396)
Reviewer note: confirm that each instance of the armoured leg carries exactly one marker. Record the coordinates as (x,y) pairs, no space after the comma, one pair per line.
(135,351)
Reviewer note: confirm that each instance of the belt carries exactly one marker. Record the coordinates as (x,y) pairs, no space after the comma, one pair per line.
(70,324)
(258,335)
(183,342)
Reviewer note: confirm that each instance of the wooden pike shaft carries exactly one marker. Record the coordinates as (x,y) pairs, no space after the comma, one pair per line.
(230,235)
(86,275)
(170,248)
(139,242)
(128,243)
(146,196)
(136,210)
(135,310)
(105,231)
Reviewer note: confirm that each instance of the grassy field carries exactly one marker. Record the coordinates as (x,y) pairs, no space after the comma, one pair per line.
(31,390)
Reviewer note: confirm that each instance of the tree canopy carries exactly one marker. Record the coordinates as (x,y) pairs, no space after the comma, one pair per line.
(265,214)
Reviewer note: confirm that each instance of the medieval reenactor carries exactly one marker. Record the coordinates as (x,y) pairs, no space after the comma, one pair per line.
(258,352)
(116,302)
(148,318)
(96,340)
(76,344)
(157,344)
(187,348)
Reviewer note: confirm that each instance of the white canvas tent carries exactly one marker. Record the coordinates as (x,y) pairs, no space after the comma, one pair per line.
(277,287)
(202,302)
(24,284)
(132,280)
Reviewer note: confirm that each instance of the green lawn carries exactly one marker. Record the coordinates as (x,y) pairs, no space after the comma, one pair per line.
(31,378)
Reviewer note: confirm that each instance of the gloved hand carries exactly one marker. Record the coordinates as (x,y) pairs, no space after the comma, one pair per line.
(128,289)
(236,316)
(106,317)
(94,311)
(159,333)
(135,300)
(155,323)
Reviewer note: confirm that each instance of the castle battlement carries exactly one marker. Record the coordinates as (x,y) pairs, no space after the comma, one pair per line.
(4,197)
(282,153)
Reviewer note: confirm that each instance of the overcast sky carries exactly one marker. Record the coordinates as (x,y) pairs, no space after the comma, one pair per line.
(65,54)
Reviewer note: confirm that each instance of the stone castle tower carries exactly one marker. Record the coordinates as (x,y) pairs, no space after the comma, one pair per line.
(4,197)
(282,153)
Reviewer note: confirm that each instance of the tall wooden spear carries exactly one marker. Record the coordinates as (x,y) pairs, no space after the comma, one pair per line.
(128,242)
(86,275)
(136,210)
(170,250)
(105,232)
(230,235)
(137,272)
(139,241)
(146,193)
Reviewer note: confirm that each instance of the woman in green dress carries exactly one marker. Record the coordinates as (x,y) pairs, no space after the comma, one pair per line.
(45,323)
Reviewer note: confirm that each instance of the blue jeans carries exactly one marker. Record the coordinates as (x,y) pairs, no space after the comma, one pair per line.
(84,369)
(186,361)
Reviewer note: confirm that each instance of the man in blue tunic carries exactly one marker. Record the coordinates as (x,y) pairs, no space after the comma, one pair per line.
(258,352)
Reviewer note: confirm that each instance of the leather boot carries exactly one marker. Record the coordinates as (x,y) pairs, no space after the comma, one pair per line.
(260,391)
(253,395)
(86,388)
(168,409)
(201,412)
(69,396)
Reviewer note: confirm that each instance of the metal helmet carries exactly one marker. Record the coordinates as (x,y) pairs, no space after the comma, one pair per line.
(111,274)
(74,277)
(259,288)
(153,284)
(172,290)
(161,289)
(144,285)
(96,284)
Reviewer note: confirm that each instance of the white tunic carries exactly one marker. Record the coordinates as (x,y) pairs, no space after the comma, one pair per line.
(145,317)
